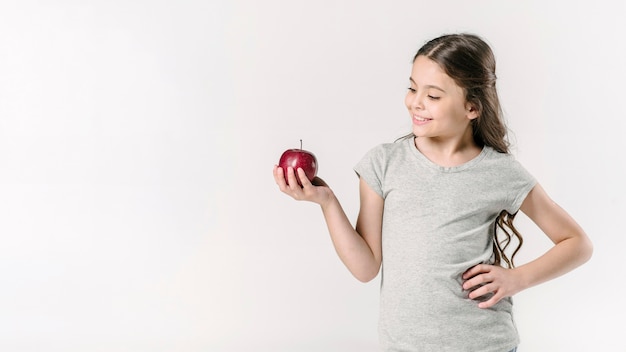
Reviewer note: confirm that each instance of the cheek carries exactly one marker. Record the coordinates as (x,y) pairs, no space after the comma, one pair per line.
(407,100)
(461,112)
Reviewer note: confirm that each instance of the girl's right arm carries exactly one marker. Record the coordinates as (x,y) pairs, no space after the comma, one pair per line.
(359,249)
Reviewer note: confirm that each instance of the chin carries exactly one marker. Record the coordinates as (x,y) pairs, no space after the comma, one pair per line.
(418,133)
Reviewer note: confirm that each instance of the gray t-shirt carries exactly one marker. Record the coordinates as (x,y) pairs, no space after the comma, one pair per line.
(437,223)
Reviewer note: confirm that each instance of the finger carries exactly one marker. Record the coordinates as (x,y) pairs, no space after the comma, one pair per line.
(292,181)
(490,302)
(278,174)
(477,280)
(279,177)
(303,179)
(482,291)
(476,270)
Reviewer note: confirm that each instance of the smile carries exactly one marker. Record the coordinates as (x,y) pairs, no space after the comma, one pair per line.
(420,120)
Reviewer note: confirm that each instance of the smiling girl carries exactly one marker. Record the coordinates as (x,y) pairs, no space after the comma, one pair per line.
(437,209)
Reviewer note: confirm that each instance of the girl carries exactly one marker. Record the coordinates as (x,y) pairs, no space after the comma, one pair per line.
(433,206)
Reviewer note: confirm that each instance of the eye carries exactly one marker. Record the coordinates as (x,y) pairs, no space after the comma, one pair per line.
(431,97)
(412,90)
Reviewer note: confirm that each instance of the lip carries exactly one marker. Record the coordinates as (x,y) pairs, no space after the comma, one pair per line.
(418,120)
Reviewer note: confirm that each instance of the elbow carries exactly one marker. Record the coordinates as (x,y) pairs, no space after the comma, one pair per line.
(365,278)
(367,275)
(581,249)
(586,251)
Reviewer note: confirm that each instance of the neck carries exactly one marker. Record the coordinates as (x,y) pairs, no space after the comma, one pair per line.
(451,151)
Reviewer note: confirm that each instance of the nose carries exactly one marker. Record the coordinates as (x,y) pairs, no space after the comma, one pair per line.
(415,101)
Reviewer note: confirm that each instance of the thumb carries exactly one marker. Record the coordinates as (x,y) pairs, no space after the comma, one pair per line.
(319,182)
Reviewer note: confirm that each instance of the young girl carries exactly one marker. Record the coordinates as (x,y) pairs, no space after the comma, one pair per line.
(437,210)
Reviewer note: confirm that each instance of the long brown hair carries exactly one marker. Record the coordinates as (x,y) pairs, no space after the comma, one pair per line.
(469,61)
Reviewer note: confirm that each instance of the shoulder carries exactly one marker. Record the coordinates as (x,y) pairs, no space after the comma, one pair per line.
(389,148)
(507,167)
(380,157)
(501,159)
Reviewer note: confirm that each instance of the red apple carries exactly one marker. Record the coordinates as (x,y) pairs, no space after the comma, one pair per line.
(299,158)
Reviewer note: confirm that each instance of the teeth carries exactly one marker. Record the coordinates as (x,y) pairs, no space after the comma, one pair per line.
(421,118)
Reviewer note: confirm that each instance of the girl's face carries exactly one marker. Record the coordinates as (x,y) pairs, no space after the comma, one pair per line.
(436,103)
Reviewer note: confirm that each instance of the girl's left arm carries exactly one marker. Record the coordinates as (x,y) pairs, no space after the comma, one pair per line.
(571,249)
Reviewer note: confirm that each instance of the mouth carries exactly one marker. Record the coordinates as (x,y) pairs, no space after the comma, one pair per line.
(420,120)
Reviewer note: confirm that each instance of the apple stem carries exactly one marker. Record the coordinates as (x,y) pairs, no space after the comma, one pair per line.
(301,144)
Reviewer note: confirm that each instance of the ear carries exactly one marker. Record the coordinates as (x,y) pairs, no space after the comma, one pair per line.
(471,111)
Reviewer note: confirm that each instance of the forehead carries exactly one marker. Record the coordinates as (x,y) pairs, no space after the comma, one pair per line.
(427,72)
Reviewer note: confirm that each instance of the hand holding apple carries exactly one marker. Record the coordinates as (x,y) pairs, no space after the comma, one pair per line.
(299,158)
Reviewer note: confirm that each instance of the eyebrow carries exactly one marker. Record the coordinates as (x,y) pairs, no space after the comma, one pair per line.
(428,85)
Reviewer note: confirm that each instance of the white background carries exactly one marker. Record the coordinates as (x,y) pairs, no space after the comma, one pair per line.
(137,138)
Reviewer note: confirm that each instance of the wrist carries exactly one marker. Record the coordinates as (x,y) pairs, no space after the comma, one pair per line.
(328,201)
(522,278)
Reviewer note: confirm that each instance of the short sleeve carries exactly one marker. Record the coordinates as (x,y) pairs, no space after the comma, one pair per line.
(521,182)
(370,169)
